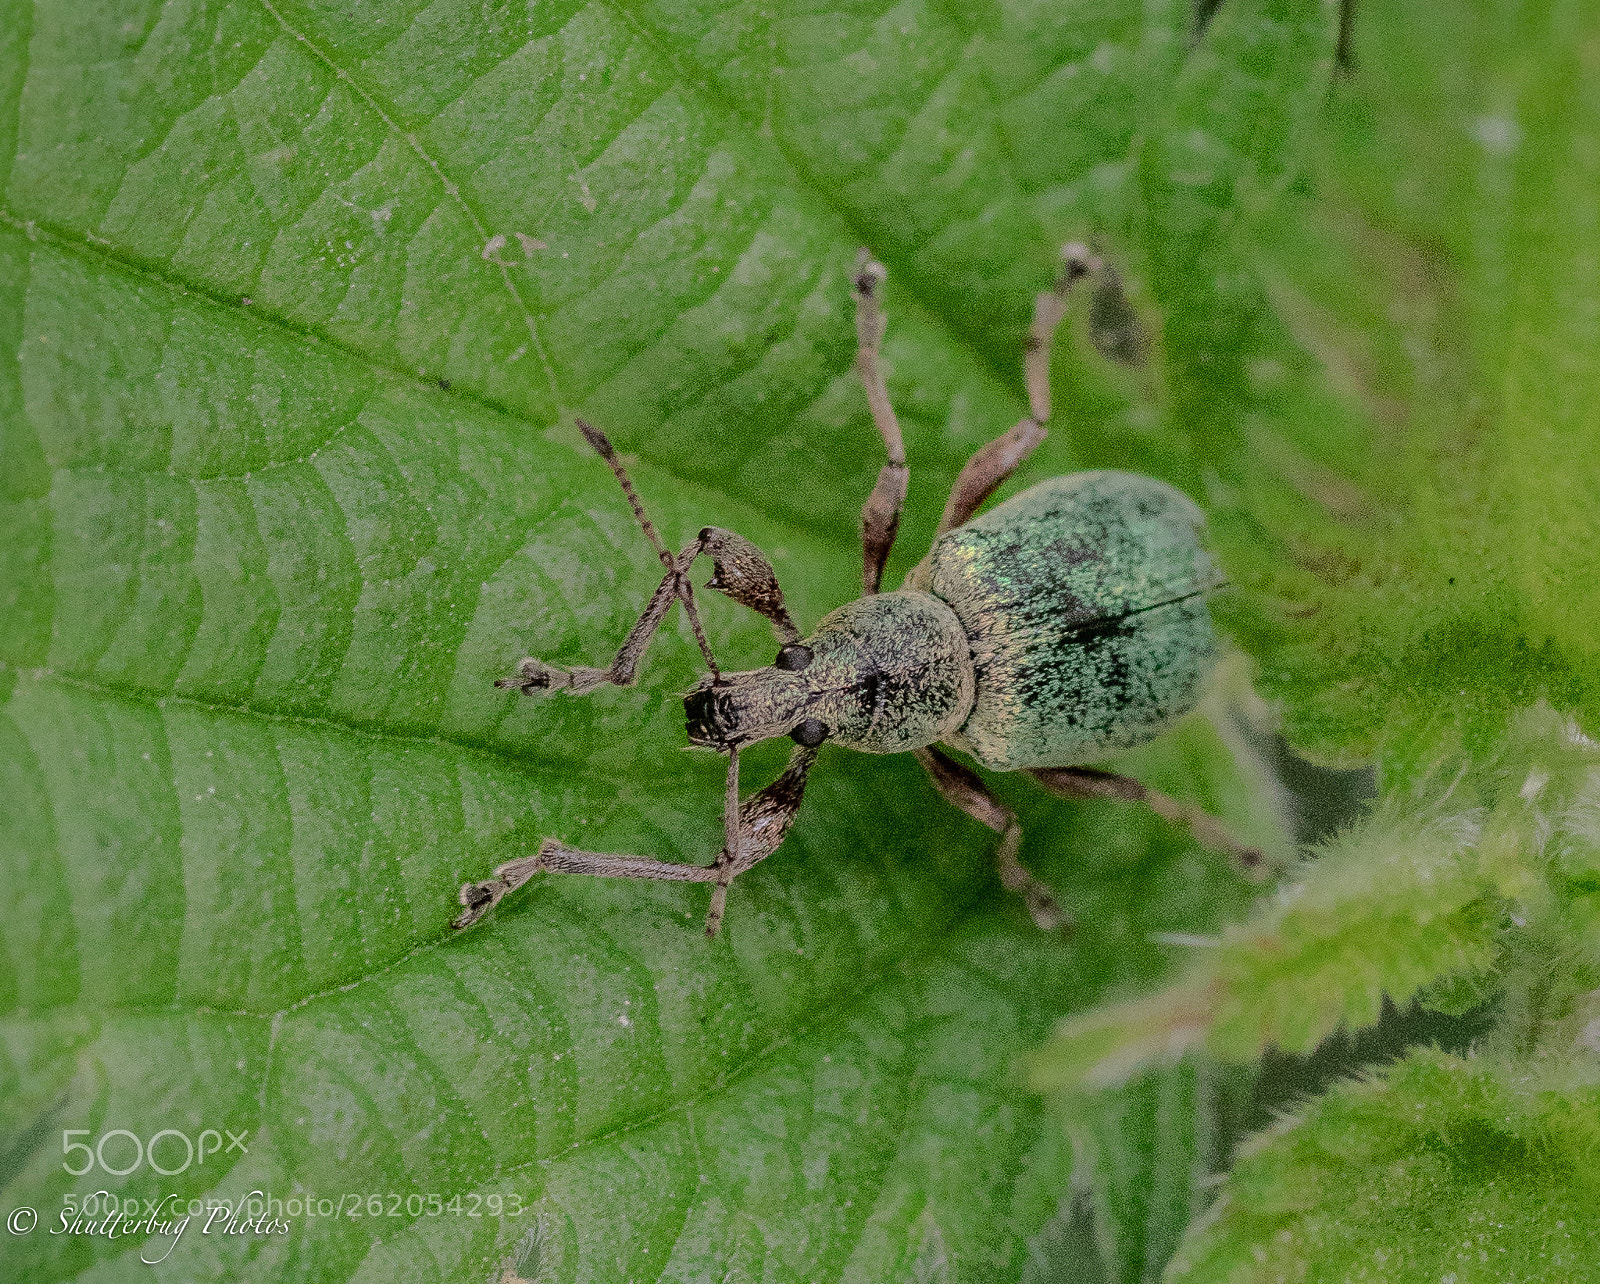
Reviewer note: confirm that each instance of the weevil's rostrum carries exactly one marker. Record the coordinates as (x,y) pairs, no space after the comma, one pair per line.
(1067,622)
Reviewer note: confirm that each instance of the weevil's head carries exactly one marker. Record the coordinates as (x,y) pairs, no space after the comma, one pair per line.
(791,697)
(881,674)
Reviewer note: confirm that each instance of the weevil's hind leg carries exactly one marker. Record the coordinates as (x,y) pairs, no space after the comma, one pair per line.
(1086,782)
(962,788)
(763,819)
(993,463)
(880,515)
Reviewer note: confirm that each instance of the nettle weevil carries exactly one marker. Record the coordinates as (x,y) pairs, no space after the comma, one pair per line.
(1067,622)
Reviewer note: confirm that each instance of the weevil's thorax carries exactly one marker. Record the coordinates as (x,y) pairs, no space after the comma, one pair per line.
(881,674)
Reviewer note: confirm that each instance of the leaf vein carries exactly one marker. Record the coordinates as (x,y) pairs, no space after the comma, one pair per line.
(451,187)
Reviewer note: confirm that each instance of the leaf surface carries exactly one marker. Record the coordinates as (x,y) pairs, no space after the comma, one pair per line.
(298,303)
(1415,531)
(1371,1180)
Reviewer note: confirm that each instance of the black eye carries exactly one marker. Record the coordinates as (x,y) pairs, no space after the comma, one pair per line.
(809,733)
(792,657)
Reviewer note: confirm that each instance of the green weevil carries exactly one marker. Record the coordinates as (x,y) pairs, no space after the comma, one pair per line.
(1067,622)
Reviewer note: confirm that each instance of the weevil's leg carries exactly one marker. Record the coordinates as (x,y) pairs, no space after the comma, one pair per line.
(962,788)
(732,847)
(535,675)
(678,568)
(1077,262)
(556,857)
(1086,782)
(764,818)
(880,515)
(744,574)
(993,463)
(990,465)
(738,569)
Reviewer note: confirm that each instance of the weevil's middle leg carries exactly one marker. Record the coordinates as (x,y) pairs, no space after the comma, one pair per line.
(762,821)
(961,788)
(880,515)
(991,464)
(1087,782)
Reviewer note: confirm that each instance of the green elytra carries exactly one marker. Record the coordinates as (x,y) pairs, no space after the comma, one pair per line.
(1084,605)
(1065,623)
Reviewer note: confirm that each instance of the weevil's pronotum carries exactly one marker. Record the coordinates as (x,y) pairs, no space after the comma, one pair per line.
(1065,623)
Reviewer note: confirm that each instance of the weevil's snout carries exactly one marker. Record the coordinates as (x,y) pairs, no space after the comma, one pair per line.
(742,708)
(708,719)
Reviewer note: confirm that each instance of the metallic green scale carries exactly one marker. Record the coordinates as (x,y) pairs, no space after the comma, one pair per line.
(1083,600)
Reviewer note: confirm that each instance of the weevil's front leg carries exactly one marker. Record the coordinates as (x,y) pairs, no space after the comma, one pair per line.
(993,463)
(738,569)
(962,788)
(557,858)
(763,820)
(1086,782)
(741,570)
(880,516)
(535,675)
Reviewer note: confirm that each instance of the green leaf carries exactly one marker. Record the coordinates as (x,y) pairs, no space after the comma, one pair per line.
(1412,525)
(1392,908)
(298,302)
(1151,1149)
(1427,547)
(1438,1168)
(1480,884)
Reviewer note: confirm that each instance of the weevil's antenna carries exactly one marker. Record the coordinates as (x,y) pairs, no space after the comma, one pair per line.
(679,565)
(606,451)
(686,596)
